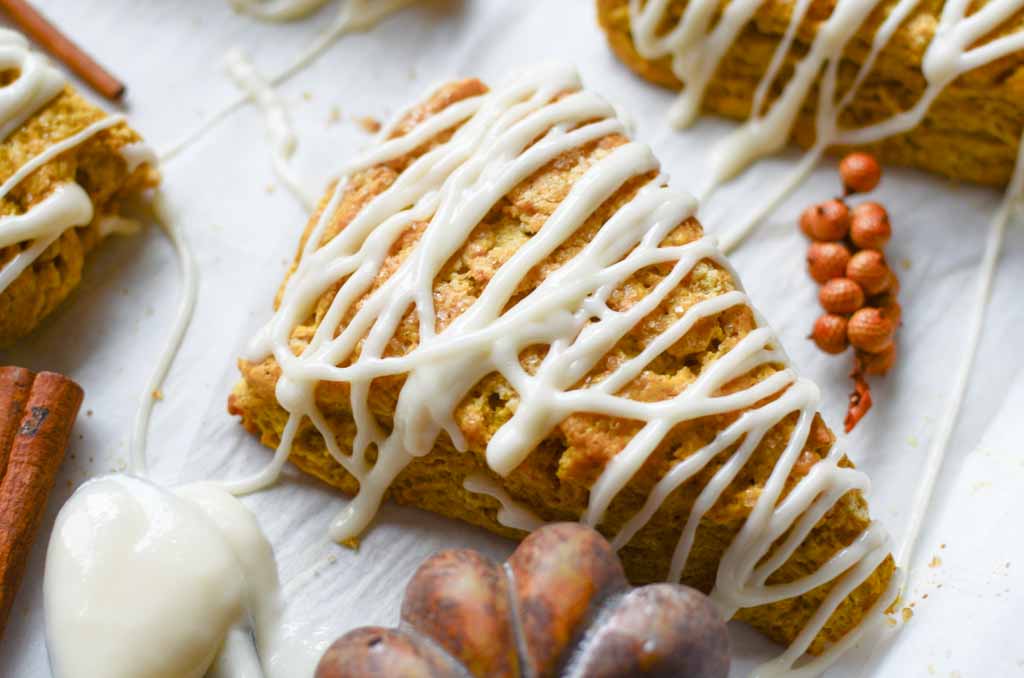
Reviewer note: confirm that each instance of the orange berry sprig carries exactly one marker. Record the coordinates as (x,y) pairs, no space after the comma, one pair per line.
(858,288)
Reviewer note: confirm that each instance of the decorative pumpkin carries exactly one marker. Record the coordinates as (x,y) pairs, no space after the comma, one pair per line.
(560,606)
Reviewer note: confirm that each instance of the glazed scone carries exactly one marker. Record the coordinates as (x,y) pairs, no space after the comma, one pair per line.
(970,132)
(558,475)
(110,165)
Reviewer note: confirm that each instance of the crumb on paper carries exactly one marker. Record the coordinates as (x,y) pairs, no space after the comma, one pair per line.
(906,613)
(307,95)
(913,441)
(905,264)
(891,621)
(369,124)
(88,413)
(269,189)
(158,394)
(334,116)
(936,561)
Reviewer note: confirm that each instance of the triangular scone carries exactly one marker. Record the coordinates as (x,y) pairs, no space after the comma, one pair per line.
(637,358)
(69,144)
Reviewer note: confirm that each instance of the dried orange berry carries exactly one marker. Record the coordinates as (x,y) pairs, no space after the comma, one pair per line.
(870,330)
(841,295)
(869,226)
(891,309)
(829,333)
(827,221)
(827,260)
(860,172)
(878,363)
(893,287)
(868,269)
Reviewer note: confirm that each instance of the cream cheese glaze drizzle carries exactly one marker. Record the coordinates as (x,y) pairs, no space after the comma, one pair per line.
(695,50)
(278,10)
(500,139)
(279,127)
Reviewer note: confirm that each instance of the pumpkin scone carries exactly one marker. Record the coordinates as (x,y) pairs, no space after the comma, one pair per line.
(502,313)
(933,84)
(66,168)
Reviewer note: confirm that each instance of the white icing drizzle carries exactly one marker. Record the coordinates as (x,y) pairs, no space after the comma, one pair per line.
(277,10)
(65,207)
(511,513)
(355,16)
(164,215)
(36,84)
(279,127)
(696,51)
(138,153)
(501,139)
(975,328)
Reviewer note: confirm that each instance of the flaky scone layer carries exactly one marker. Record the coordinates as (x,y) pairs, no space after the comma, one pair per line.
(555,478)
(98,167)
(971,132)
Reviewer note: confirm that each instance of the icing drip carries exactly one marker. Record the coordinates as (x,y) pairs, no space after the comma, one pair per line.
(279,126)
(355,16)
(696,50)
(500,139)
(512,513)
(277,10)
(162,212)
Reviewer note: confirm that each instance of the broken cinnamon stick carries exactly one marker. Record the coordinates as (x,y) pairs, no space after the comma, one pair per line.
(37,412)
(49,37)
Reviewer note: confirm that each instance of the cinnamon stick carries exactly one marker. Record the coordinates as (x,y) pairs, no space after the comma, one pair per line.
(37,412)
(49,37)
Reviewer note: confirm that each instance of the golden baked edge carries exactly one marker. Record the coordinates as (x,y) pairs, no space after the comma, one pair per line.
(971,131)
(98,167)
(554,479)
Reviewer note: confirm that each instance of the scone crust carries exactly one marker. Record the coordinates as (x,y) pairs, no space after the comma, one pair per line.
(554,480)
(98,167)
(971,132)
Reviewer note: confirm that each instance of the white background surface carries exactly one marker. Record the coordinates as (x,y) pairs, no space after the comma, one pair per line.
(242,231)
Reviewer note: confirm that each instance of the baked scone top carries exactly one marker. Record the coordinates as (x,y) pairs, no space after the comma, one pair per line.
(609,314)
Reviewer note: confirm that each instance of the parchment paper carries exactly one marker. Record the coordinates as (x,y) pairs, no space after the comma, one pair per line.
(966,590)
